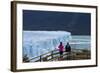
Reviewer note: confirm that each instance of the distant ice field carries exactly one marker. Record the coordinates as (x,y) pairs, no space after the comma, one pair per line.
(81,42)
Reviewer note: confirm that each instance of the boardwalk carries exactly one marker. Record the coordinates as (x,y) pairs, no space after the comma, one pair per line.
(54,55)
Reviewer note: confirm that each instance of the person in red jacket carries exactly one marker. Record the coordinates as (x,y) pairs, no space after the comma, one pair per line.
(61,49)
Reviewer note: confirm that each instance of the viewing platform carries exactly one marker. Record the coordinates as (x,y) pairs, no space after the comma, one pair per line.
(75,54)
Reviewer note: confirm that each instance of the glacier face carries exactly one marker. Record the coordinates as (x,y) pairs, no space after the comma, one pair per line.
(36,43)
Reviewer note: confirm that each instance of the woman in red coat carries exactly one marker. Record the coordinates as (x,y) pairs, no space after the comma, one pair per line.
(61,49)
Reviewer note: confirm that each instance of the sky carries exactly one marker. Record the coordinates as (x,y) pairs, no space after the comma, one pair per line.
(76,23)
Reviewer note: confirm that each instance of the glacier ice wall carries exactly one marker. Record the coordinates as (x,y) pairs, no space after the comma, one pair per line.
(36,43)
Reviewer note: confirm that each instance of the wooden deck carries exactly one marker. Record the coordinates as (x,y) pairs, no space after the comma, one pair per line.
(54,55)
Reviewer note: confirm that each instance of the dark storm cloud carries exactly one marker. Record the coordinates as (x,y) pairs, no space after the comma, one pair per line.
(76,23)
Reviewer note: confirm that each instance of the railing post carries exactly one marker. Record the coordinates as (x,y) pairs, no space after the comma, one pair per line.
(52,55)
(40,58)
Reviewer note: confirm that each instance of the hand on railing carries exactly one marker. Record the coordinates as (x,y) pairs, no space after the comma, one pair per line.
(56,48)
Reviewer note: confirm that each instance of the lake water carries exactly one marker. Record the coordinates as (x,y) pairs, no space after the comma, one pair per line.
(80,42)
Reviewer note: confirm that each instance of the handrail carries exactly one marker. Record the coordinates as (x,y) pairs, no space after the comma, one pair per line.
(52,53)
(43,54)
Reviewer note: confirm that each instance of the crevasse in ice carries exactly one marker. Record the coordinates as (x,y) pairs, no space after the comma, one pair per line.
(36,43)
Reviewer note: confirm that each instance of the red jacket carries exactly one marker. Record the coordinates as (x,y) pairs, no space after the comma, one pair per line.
(61,48)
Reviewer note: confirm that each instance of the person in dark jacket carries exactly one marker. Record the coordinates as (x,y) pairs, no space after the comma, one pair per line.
(68,51)
(68,48)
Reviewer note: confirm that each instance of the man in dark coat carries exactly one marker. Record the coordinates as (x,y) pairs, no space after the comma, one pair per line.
(68,51)
(68,48)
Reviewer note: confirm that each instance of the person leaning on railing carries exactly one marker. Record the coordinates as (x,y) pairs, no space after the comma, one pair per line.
(68,48)
(61,49)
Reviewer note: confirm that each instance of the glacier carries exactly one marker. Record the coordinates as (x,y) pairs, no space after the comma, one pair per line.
(36,43)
